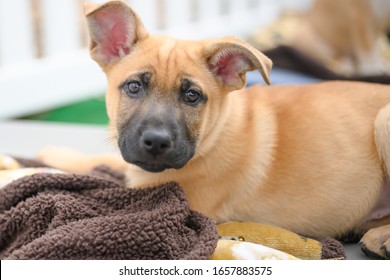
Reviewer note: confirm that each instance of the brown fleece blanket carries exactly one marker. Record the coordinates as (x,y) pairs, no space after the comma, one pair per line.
(65,216)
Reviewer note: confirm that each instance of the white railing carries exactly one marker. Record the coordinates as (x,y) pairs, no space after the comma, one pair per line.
(43,57)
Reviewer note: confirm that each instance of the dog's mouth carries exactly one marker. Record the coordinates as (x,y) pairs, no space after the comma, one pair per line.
(151,167)
(159,166)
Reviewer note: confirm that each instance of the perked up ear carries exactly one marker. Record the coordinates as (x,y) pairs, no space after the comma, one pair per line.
(230,58)
(114,29)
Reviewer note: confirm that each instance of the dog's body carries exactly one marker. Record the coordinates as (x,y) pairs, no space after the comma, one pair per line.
(312,159)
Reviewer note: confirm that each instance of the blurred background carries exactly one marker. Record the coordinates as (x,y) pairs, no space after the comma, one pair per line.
(45,70)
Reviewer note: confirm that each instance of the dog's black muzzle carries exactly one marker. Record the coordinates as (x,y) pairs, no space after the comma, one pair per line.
(155,145)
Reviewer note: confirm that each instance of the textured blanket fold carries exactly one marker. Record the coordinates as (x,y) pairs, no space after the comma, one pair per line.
(64,216)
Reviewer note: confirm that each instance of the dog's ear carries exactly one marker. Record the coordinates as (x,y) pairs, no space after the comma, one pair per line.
(230,58)
(114,29)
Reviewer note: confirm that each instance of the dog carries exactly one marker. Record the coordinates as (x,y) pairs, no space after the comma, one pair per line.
(314,159)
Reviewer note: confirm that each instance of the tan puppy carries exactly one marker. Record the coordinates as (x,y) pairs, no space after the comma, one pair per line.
(313,159)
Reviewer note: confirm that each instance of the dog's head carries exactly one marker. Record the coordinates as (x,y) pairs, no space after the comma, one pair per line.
(164,95)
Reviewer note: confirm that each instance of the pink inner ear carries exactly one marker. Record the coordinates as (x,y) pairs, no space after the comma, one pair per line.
(229,66)
(117,41)
(113,35)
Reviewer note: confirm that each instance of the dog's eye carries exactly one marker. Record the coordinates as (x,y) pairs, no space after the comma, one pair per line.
(192,96)
(133,88)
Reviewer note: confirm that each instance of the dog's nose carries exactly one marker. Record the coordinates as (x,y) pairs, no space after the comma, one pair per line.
(156,142)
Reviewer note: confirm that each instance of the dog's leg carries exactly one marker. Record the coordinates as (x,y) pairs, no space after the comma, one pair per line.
(71,160)
(376,242)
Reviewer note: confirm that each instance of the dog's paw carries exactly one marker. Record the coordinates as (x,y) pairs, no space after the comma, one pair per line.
(376,243)
(63,158)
